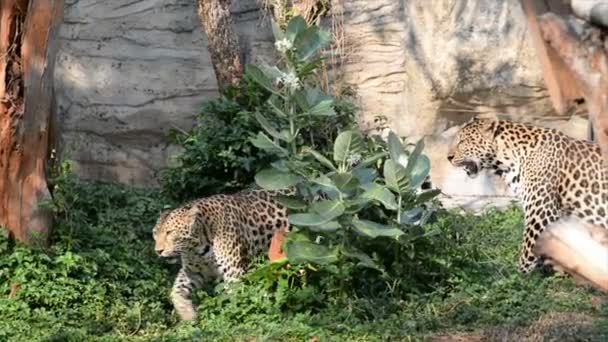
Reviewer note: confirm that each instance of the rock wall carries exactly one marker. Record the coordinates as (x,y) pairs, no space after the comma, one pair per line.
(429,66)
(129,70)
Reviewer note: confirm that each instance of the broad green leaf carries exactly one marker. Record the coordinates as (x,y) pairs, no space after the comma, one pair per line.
(365,175)
(428,195)
(309,41)
(316,95)
(319,157)
(411,216)
(299,252)
(413,157)
(346,144)
(287,137)
(277,32)
(267,126)
(345,181)
(272,102)
(324,181)
(395,176)
(259,77)
(281,165)
(273,179)
(419,171)
(394,146)
(291,202)
(300,97)
(329,209)
(323,108)
(327,227)
(263,142)
(371,160)
(295,26)
(307,219)
(356,205)
(426,216)
(373,230)
(310,67)
(381,194)
(364,259)
(271,72)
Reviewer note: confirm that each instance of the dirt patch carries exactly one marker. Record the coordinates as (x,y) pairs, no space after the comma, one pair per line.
(457,337)
(549,327)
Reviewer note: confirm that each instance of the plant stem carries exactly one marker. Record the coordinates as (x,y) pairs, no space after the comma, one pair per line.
(399,210)
(292,127)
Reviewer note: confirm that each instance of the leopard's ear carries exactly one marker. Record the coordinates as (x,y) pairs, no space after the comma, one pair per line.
(469,122)
(163,213)
(195,215)
(490,129)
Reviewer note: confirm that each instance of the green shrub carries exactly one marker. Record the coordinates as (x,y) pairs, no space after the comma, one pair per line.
(101,281)
(357,204)
(217,153)
(100,276)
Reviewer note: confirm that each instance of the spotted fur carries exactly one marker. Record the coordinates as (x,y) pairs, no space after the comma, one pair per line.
(553,175)
(215,238)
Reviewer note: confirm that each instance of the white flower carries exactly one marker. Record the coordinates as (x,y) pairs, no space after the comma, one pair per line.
(289,80)
(283,45)
(353,159)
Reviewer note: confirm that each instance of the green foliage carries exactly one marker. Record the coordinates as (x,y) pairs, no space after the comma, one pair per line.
(101,281)
(217,156)
(218,152)
(344,208)
(100,276)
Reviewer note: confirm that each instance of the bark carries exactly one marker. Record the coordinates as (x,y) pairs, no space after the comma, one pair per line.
(561,85)
(588,63)
(222,39)
(580,250)
(27,55)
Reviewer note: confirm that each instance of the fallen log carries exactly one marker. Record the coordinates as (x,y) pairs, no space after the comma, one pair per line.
(577,248)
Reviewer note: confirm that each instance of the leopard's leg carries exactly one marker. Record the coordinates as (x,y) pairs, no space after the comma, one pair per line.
(231,257)
(181,295)
(538,215)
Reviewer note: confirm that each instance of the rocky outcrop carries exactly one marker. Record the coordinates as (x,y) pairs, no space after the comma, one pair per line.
(431,65)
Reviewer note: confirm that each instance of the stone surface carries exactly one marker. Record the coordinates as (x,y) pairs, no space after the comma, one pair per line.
(438,63)
(431,65)
(129,70)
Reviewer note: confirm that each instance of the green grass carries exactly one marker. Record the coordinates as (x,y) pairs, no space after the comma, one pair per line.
(101,281)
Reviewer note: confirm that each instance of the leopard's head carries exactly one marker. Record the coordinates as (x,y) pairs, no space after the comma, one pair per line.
(176,230)
(474,147)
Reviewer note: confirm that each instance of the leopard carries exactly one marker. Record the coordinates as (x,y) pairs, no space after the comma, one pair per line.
(552,175)
(215,238)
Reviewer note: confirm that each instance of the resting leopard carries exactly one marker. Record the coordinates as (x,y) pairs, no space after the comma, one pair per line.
(553,175)
(215,238)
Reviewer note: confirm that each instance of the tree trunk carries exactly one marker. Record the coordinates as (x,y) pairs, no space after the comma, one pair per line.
(578,249)
(27,55)
(222,39)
